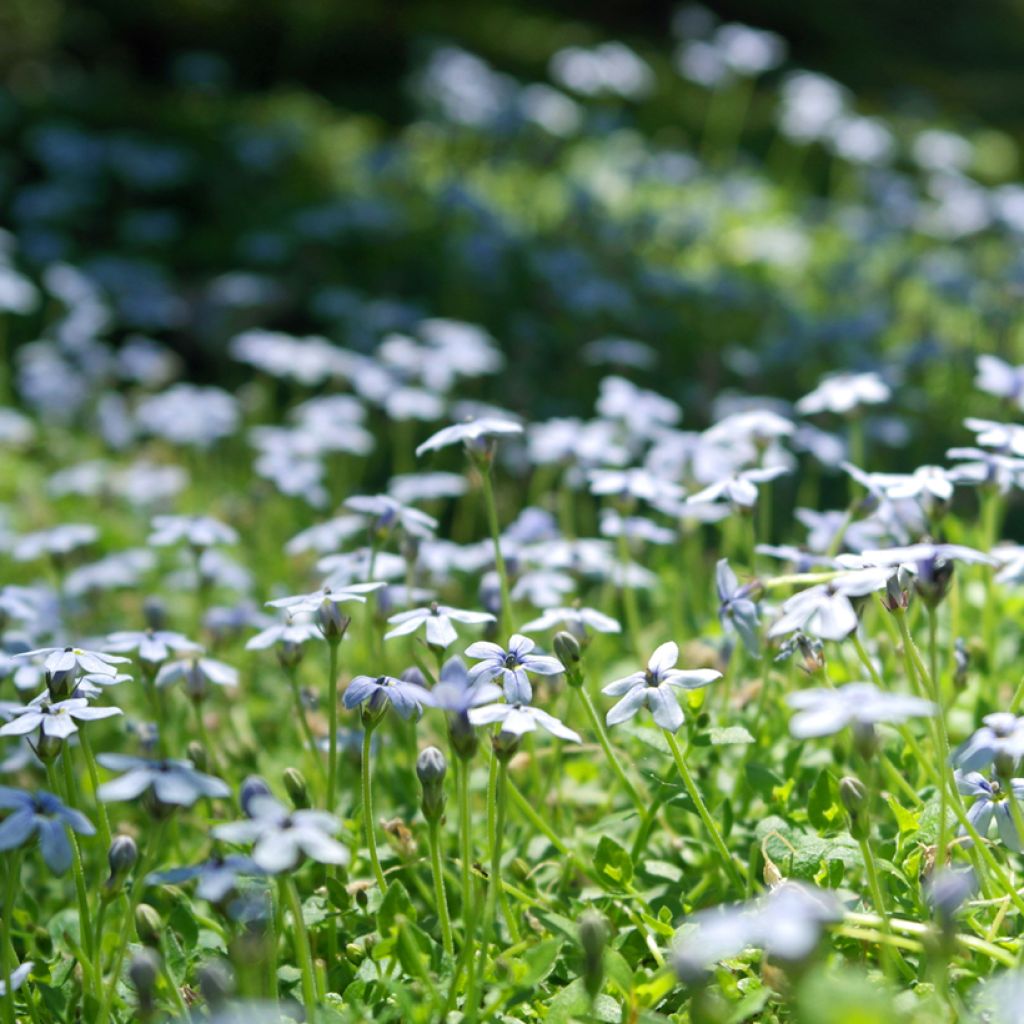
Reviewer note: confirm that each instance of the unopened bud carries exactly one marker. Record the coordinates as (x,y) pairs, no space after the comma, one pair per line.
(295,787)
(505,745)
(933,579)
(196,753)
(431,768)
(567,650)
(854,797)
(122,857)
(252,787)
(216,982)
(148,925)
(289,654)
(463,736)
(143,972)
(331,621)
(865,739)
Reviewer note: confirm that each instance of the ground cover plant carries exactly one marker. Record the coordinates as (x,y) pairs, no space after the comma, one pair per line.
(514,568)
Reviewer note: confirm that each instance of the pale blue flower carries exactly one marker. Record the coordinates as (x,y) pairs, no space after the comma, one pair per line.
(43,815)
(512,666)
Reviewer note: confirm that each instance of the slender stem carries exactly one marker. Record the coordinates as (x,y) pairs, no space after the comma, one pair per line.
(172,983)
(300,936)
(81,889)
(7,966)
(494,882)
(889,962)
(132,900)
(705,815)
(609,752)
(628,595)
(332,718)
(368,826)
(466,845)
(94,780)
(499,559)
(300,714)
(440,896)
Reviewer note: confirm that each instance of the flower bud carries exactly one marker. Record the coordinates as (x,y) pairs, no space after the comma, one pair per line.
(593,935)
(567,650)
(148,925)
(295,787)
(216,982)
(196,753)
(331,621)
(252,787)
(48,747)
(431,768)
(143,972)
(122,857)
(865,739)
(289,654)
(897,589)
(505,745)
(463,736)
(154,611)
(854,798)
(932,581)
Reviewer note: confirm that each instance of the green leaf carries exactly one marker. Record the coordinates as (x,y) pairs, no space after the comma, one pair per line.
(537,963)
(906,821)
(572,1002)
(731,735)
(762,780)
(821,804)
(801,854)
(613,863)
(396,903)
(618,971)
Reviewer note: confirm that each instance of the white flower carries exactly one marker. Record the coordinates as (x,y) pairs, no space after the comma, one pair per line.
(517,719)
(843,393)
(654,686)
(472,433)
(438,621)
(821,712)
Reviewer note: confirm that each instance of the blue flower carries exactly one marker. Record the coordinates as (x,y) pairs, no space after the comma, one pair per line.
(377,692)
(41,814)
(1001,735)
(18,976)
(57,720)
(821,712)
(437,621)
(172,782)
(736,607)
(217,876)
(512,666)
(282,838)
(992,804)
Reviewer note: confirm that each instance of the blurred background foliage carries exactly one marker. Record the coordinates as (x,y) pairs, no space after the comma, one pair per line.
(217,164)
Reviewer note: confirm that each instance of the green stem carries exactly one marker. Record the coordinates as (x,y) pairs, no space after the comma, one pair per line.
(94,780)
(499,560)
(728,863)
(628,595)
(609,752)
(300,713)
(300,936)
(889,961)
(493,884)
(332,718)
(466,845)
(368,827)
(132,900)
(7,966)
(81,888)
(440,896)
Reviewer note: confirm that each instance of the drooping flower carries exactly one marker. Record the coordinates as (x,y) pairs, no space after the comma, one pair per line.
(654,687)
(511,666)
(826,611)
(41,814)
(737,608)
